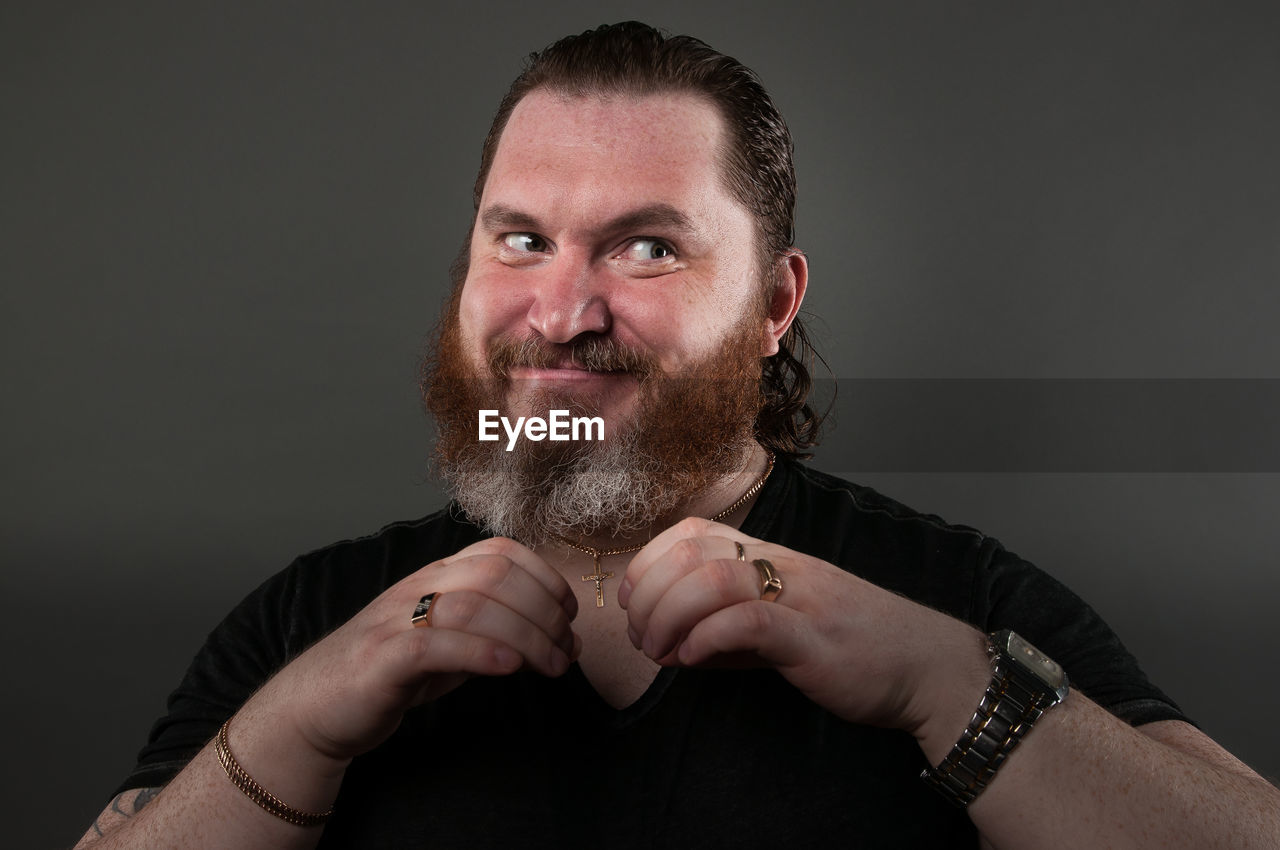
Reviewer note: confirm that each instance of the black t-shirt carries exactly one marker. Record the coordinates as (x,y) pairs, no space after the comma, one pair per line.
(705,758)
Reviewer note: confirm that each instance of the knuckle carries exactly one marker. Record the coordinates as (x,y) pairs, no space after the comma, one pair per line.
(694,525)
(366,653)
(564,595)
(757,616)
(430,642)
(412,584)
(419,646)
(738,626)
(533,638)
(722,577)
(687,553)
(458,609)
(503,546)
(559,622)
(493,571)
(564,599)
(480,654)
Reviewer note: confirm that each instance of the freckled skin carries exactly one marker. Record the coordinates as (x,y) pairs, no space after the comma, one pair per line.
(575,163)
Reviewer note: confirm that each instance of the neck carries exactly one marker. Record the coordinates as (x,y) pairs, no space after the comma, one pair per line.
(727,490)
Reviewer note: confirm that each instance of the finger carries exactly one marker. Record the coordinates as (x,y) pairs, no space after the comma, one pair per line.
(415,653)
(546,575)
(506,582)
(716,584)
(474,613)
(777,634)
(656,550)
(683,557)
(658,546)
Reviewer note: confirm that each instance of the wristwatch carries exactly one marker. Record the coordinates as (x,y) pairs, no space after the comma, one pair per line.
(1024,684)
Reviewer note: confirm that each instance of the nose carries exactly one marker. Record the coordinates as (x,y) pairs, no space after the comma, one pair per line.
(569,299)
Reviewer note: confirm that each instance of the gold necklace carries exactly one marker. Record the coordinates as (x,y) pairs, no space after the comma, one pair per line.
(596,554)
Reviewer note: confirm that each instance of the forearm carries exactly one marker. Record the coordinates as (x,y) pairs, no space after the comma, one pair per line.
(201,808)
(1083,778)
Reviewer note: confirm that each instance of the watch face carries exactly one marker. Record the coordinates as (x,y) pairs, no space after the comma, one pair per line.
(1046,669)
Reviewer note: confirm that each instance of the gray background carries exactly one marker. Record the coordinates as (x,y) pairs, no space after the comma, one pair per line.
(224,236)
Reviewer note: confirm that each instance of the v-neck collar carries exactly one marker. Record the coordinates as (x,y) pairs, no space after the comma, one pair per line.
(757,523)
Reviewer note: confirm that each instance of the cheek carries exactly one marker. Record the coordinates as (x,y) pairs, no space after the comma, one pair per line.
(652,321)
(487,306)
(470,311)
(678,321)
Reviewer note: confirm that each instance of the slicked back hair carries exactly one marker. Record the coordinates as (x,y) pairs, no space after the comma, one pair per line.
(632,58)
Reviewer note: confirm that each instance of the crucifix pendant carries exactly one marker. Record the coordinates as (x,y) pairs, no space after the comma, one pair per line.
(598,577)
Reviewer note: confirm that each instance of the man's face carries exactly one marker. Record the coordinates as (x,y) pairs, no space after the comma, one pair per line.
(609,273)
(606,220)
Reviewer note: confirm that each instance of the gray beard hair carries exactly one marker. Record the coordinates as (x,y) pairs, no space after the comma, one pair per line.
(610,487)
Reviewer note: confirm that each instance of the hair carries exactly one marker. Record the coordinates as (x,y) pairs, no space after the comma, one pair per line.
(637,59)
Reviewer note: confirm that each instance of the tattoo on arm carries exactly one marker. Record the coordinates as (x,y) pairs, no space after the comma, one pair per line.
(124,806)
(144,796)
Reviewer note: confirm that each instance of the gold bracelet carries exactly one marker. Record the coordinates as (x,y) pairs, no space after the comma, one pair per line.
(264,798)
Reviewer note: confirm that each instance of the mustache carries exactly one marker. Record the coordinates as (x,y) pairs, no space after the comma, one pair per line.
(592,354)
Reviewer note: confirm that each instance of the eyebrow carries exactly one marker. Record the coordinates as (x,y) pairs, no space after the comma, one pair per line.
(499,217)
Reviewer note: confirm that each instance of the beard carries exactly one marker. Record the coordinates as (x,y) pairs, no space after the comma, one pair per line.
(687,431)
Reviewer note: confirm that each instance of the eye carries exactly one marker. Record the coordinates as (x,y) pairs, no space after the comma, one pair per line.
(525,242)
(647,249)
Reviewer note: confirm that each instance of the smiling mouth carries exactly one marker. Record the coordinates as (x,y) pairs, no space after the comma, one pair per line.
(587,360)
(568,373)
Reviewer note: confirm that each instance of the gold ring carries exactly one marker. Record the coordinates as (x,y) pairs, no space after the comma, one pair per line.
(421,618)
(770,584)
(742,553)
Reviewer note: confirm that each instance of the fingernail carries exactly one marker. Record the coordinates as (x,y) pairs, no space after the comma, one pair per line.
(634,635)
(648,646)
(624,592)
(684,654)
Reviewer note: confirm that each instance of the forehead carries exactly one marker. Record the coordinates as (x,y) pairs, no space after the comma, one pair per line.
(592,152)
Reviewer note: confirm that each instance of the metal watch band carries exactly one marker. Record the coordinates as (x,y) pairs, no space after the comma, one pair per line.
(1013,702)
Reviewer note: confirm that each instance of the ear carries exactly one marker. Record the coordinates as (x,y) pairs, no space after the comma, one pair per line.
(791,272)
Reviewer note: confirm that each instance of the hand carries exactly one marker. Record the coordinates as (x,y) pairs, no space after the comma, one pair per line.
(500,608)
(859,651)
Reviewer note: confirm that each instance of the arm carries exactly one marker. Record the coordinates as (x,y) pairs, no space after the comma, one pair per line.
(1080,778)
(498,608)
(1090,775)
(1084,778)
(123,806)
(201,808)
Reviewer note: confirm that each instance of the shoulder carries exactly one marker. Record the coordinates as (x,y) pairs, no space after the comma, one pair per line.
(283,616)
(951,567)
(967,574)
(397,545)
(356,570)
(323,588)
(823,490)
(876,537)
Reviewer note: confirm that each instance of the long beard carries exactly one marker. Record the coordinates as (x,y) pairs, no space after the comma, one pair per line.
(689,430)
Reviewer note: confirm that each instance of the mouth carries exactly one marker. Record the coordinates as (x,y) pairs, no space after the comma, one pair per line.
(595,363)
(564,374)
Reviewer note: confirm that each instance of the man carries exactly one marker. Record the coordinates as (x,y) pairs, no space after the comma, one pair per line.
(673,635)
